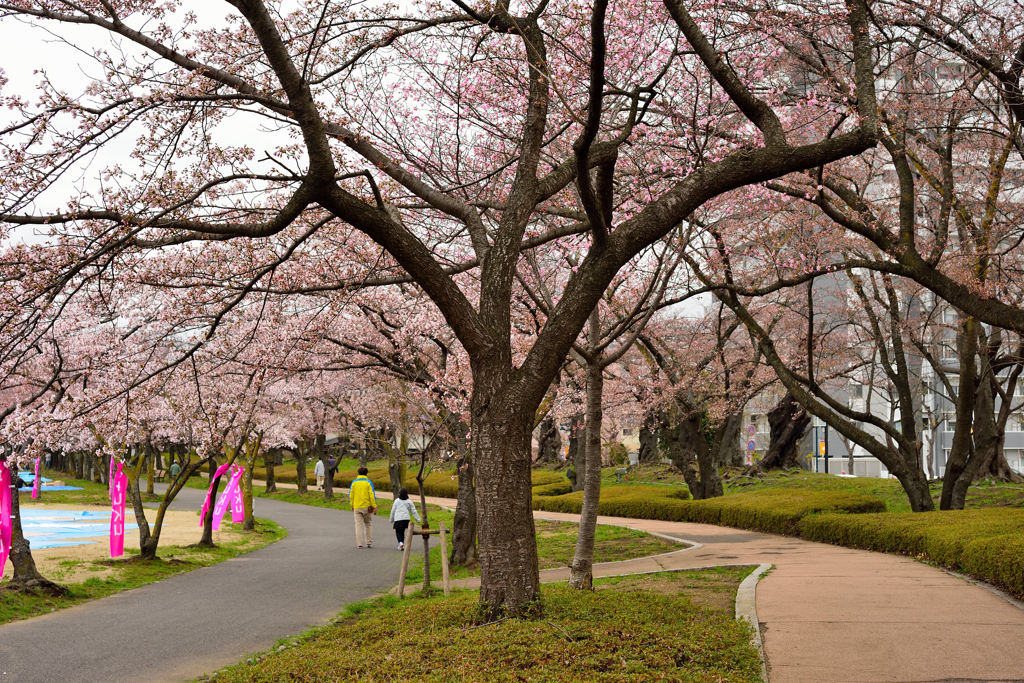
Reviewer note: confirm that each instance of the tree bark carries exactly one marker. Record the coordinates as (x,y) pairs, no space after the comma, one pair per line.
(549,442)
(206,541)
(501,452)
(787,422)
(689,452)
(464,523)
(649,452)
(269,457)
(301,456)
(581,571)
(962,447)
(726,448)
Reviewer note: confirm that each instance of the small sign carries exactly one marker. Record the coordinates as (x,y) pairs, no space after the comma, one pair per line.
(751,445)
(751,430)
(821,447)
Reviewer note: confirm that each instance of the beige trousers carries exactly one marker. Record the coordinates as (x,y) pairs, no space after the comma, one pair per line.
(320,481)
(363,519)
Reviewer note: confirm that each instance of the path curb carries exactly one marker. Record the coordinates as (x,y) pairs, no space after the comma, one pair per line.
(746,610)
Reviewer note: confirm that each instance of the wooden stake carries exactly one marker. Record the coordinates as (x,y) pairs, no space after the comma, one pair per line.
(444,561)
(405,559)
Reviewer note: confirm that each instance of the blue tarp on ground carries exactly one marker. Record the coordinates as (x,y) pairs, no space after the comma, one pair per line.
(33,514)
(28,489)
(59,544)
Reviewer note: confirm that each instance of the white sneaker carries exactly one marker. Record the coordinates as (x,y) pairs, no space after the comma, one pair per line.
(401,546)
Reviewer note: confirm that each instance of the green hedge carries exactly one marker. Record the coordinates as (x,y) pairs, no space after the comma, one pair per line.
(779,511)
(639,502)
(986,543)
(439,484)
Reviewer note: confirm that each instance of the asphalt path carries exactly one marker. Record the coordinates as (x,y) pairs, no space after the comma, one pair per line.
(197,622)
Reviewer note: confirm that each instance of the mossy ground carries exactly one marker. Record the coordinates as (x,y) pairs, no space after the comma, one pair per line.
(659,627)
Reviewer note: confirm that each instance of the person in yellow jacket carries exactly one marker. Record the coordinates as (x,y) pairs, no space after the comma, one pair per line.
(364,505)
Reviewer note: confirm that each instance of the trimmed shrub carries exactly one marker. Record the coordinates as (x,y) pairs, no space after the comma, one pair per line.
(557,488)
(986,543)
(638,502)
(771,511)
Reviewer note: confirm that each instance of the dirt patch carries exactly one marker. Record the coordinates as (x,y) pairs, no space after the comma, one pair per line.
(75,564)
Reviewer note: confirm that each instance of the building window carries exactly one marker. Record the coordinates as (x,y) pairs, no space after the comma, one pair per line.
(857,390)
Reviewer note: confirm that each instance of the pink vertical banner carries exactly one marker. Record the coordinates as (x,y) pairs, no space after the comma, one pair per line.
(238,503)
(38,482)
(5,515)
(117,499)
(226,498)
(209,493)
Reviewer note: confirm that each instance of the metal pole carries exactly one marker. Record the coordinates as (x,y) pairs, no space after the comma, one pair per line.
(826,449)
(814,449)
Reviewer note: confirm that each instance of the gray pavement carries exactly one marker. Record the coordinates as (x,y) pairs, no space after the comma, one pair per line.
(194,623)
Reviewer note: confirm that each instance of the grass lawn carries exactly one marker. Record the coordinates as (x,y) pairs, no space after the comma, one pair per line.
(130,572)
(674,626)
(556,545)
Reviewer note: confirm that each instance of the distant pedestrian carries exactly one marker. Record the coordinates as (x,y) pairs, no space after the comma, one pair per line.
(175,469)
(364,505)
(332,468)
(400,511)
(319,472)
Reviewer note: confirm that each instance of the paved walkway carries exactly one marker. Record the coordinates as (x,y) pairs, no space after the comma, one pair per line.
(835,615)
(195,623)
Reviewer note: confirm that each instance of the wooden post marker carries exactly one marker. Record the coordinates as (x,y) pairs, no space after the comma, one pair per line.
(444,561)
(405,559)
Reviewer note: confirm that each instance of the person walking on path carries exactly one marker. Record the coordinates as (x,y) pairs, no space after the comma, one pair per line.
(175,469)
(319,472)
(364,504)
(400,511)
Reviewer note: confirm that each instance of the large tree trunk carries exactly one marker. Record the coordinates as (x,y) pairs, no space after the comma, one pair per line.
(501,452)
(787,422)
(320,453)
(649,453)
(269,460)
(581,571)
(690,453)
(549,443)
(726,448)
(206,541)
(962,448)
(26,576)
(464,532)
(301,457)
(149,540)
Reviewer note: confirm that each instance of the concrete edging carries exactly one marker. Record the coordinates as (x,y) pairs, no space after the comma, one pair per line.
(746,610)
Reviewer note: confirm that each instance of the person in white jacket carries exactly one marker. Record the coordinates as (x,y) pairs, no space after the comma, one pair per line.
(319,472)
(401,510)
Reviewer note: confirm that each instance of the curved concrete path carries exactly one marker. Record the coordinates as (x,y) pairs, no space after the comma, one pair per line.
(194,623)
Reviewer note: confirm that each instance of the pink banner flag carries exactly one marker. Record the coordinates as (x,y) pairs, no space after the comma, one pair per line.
(237,502)
(117,513)
(226,498)
(5,515)
(38,482)
(209,493)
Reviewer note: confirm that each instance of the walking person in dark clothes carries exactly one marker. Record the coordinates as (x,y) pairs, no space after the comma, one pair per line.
(400,516)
